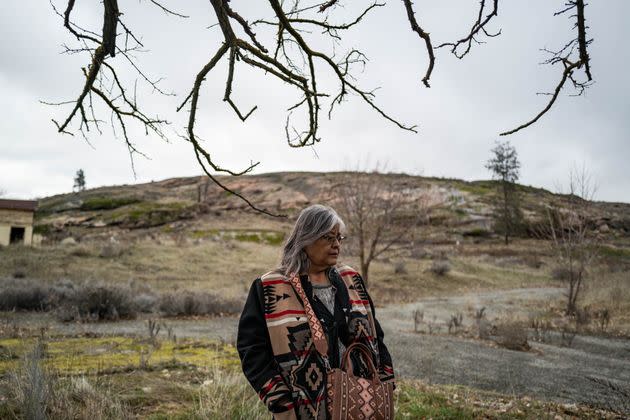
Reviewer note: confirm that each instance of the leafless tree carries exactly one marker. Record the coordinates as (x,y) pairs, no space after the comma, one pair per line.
(380,214)
(282,53)
(573,238)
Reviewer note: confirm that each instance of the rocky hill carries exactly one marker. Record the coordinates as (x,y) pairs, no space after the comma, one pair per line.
(198,207)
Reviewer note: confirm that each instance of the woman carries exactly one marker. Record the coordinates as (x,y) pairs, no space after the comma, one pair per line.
(274,341)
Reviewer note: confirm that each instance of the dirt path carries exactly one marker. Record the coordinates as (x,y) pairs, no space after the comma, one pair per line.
(595,371)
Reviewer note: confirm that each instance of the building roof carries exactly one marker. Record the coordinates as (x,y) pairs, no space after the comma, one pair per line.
(26,205)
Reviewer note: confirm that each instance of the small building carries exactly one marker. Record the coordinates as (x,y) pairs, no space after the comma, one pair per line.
(16,221)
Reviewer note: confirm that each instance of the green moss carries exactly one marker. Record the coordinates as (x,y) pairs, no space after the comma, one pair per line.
(248,237)
(82,355)
(478,233)
(274,238)
(460,212)
(107,203)
(253,236)
(42,229)
(611,252)
(208,233)
(477,187)
(148,214)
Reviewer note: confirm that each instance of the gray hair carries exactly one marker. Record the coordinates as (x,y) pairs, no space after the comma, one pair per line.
(313,222)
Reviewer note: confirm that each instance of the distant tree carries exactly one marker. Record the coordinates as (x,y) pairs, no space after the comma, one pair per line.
(504,165)
(574,242)
(79,181)
(202,190)
(380,215)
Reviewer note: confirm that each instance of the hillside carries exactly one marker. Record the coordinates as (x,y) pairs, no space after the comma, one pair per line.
(194,205)
(187,233)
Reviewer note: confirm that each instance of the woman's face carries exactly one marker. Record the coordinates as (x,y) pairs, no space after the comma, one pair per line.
(324,252)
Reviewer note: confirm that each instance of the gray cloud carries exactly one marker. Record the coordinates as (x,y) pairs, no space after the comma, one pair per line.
(470,102)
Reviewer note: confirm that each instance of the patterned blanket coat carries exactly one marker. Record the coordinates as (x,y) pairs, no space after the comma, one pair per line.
(277,352)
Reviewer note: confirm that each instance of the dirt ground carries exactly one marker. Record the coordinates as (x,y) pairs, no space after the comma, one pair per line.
(593,370)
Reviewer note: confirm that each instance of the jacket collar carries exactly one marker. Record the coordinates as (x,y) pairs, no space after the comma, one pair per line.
(333,275)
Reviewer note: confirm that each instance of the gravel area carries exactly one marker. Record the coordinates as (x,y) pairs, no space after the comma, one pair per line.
(593,371)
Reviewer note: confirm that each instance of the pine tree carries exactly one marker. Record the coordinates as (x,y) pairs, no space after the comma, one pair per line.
(504,165)
(79,181)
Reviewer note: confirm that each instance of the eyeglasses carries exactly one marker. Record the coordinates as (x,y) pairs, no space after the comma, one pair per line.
(332,238)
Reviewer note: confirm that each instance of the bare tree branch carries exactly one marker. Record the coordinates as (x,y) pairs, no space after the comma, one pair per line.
(479,25)
(168,11)
(425,36)
(570,65)
(288,55)
(568,69)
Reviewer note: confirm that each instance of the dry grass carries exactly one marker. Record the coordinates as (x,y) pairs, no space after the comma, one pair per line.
(467,273)
(224,267)
(229,267)
(36,392)
(609,290)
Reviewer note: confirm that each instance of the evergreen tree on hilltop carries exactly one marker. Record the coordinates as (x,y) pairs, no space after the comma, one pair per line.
(504,165)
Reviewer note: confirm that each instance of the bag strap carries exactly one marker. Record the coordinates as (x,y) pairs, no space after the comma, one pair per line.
(367,356)
(317,331)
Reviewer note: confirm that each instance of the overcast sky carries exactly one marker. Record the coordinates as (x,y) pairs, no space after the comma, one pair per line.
(459,117)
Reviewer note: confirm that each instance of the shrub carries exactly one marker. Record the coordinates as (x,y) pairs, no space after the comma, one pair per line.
(418,318)
(541,329)
(112,250)
(583,317)
(477,233)
(440,267)
(561,273)
(42,229)
(400,268)
(146,302)
(39,393)
(189,303)
(455,322)
(31,386)
(418,253)
(24,296)
(567,335)
(603,319)
(512,336)
(106,203)
(80,250)
(483,326)
(98,302)
(532,261)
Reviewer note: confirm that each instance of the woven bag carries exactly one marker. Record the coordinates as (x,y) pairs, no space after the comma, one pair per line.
(349,397)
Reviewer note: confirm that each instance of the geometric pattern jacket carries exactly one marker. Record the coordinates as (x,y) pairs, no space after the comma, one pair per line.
(277,352)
